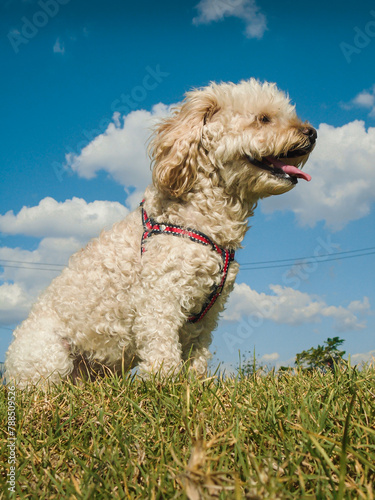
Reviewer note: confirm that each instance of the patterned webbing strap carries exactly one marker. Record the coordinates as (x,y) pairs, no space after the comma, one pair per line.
(151,227)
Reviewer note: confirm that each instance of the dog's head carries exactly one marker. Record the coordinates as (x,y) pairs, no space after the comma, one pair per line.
(246,137)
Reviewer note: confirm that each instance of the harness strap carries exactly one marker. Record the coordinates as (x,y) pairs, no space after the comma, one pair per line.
(151,227)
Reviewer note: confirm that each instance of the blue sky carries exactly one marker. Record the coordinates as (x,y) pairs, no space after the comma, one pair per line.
(83,80)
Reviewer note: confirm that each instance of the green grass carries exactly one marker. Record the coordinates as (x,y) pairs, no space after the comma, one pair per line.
(296,436)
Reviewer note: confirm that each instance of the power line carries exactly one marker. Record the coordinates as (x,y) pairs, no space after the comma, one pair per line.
(31,265)
(247,266)
(313,257)
(34,268)
(28,262)
(311,261)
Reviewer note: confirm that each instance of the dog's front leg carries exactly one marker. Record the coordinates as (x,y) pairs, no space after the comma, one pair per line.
(159,317)
(175,281)
(198,355)
(156,330)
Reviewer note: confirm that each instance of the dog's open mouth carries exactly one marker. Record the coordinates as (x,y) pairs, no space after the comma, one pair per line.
(279,168)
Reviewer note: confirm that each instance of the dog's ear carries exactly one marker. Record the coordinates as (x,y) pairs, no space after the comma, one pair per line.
(175,148)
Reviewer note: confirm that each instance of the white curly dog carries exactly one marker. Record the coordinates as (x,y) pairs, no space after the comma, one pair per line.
(149,291)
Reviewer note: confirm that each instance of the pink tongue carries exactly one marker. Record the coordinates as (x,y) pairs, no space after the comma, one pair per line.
(288,169)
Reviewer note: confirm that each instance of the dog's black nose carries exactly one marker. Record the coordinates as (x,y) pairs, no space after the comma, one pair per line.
(311,133)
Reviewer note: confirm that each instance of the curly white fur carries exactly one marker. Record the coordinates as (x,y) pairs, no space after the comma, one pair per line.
(110,306)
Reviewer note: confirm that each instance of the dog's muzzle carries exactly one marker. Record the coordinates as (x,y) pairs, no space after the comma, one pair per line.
(280,168)
(311,134)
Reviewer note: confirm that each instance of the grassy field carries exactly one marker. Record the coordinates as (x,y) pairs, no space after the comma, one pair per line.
(296,436)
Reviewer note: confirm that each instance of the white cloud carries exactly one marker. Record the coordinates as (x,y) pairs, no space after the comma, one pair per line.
(343,182)
(364,357)
(360,307)
(68,226)
(59,47)
(365,99)
(14,303)
(71,218)
(36,268)
(121,149)
(29,273)
(292,307)
(133,200)
(272,357)
(247,10)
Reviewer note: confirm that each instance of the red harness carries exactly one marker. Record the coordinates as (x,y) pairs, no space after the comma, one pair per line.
(151,227)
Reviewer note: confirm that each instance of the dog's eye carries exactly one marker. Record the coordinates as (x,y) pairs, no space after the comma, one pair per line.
(264,118)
